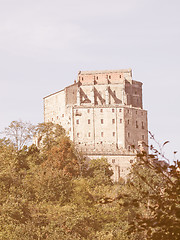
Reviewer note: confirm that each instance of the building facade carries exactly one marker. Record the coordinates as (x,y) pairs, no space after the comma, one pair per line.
(103,114)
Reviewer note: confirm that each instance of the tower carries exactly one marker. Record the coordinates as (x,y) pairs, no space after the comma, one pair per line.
(103,114)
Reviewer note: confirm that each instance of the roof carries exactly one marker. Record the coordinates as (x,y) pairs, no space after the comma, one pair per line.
(105,71)
(60,90)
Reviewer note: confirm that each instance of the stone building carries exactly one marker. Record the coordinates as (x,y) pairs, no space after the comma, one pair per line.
(103,114)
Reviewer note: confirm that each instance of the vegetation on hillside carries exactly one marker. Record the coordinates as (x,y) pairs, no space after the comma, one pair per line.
(51,193)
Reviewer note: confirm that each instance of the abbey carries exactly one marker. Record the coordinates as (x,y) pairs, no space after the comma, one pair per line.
(103,114)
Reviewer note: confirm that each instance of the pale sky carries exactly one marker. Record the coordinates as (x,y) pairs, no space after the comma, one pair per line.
(44,43)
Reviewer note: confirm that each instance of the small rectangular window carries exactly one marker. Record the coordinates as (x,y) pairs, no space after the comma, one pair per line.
(113,134)
(128,134)
(101,110)
(89,134)
(113,160)
(113,121)
(77,134)
(77,121)
(120,110)
(102,121)
(62,115)
(102,134)
(136,124)
(142,125)
(112,109)
(88,110)
(128,121)
(121,120)
(89,121)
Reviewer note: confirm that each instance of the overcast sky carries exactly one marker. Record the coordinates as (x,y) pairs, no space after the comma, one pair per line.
(44,43)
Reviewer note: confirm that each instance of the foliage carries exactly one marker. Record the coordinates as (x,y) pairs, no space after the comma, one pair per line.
(156,198)
(49,192)
(100,172)
(48,135)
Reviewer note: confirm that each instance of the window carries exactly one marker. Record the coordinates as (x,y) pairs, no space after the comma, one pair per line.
(89,134)
(109,77)
(136,112)
(113,110)
(97,77)
(128,110)
(52,119)
(113,134)
(62,115)
(57,117)
(77,134)
(136,124)
(89,121)
(131,161)
(102,121)
(101,110)
(77,121)
(113,160)
(82,78)
(113,121)
(88,110)
(121,120)
(128,121)
(119,76)
(120,110)
(102,134)
(142,125)
(128,134)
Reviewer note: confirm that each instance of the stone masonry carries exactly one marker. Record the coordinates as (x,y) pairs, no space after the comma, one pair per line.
(102,112)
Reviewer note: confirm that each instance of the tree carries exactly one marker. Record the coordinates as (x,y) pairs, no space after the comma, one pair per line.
(48,135)
(156,198)
(100,172)
(20,133)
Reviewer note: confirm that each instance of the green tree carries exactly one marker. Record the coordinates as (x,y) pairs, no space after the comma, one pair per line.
(48,135)
(156,198)
(99,171)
